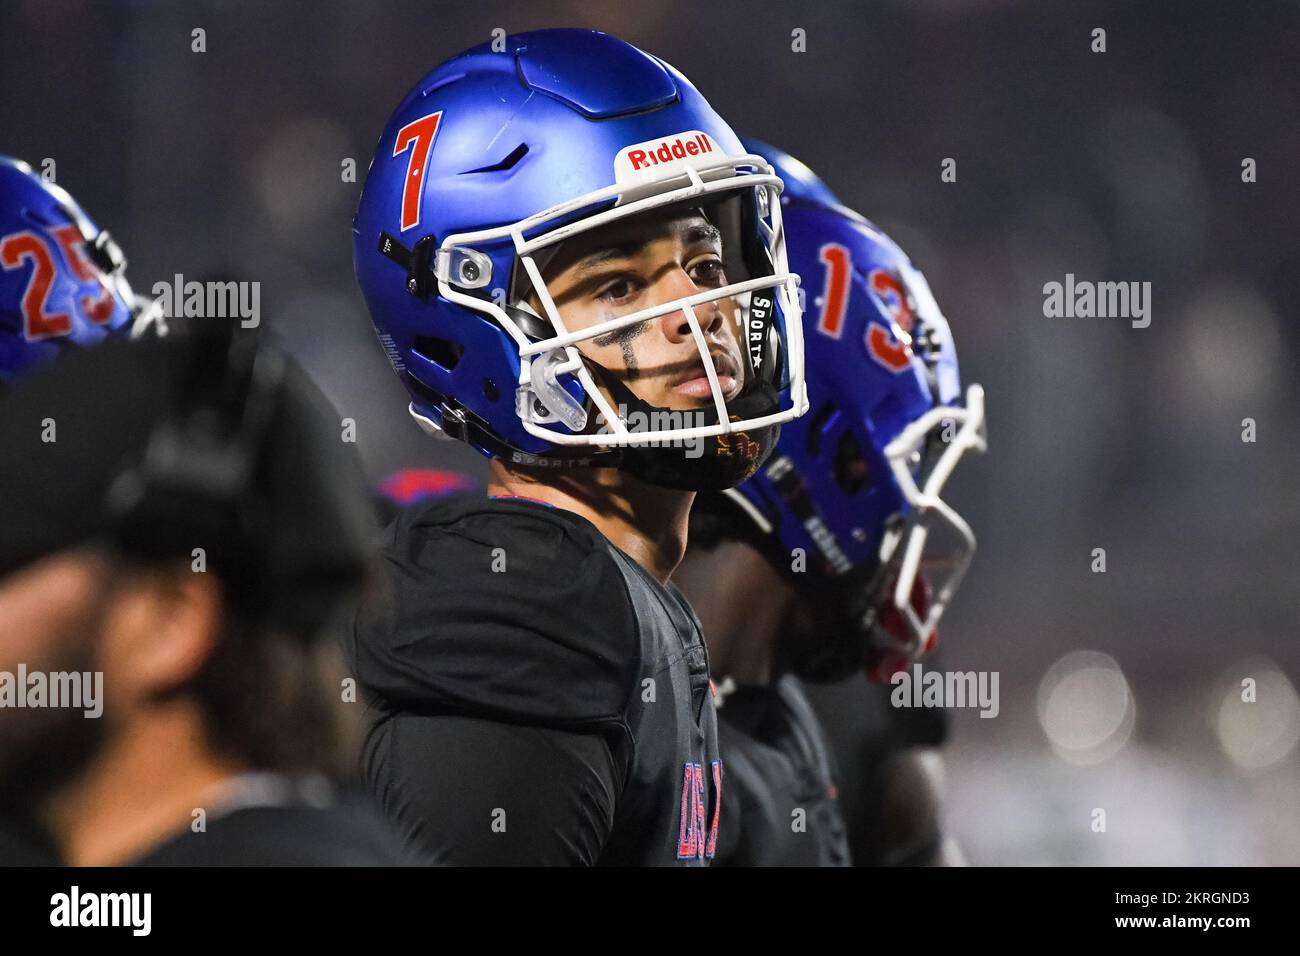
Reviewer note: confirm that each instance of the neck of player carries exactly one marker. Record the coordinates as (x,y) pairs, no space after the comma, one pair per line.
(646,522)
(126,802)
(742,603)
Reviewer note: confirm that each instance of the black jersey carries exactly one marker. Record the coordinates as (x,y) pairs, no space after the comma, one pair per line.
(287,826)
(870,738)
(24,842)
(780,801)
(536,697)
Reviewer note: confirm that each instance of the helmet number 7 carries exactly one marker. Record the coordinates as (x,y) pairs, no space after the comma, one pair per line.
(418,134)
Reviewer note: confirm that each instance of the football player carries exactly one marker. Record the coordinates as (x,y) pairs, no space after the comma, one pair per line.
(168,572)
(820,565)
(574,267)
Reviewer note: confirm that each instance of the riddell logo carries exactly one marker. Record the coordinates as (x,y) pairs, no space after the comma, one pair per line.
(679,148)
(660,156)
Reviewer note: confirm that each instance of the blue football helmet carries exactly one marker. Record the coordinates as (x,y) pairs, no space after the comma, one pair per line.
(62,279)
(856,484)
(489,164)
(801,183)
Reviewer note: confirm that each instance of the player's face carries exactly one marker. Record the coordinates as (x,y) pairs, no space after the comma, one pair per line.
(637,264)
(139,634)
(48,623)
(43,608)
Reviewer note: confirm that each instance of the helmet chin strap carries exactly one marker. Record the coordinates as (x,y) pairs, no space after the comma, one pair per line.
(529,321)
(697,464)
(715,463)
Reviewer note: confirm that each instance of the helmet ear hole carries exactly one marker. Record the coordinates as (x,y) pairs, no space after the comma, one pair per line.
(852,473)
(443,352)
(817,423)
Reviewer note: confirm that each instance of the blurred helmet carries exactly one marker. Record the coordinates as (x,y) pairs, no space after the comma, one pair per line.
(489,164)
(62,279)
(856,483)
(800,182)
(412,487)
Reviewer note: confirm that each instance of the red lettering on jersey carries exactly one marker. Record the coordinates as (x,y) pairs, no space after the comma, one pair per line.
(416,136)
(691,836)
(688,837)
(717,810)
(28,246)
(698,800)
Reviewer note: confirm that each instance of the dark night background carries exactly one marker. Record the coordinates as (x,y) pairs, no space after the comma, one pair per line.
(1124,165)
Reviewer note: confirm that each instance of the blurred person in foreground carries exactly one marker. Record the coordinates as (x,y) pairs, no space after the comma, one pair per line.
(63,288)
(183,526)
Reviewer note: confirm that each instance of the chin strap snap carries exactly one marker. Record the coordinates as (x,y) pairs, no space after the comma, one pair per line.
(544,400)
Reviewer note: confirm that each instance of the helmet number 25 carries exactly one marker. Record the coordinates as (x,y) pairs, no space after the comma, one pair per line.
(19,248)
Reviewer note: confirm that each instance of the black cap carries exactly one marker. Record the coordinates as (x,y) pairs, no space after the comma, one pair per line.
(289,545)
